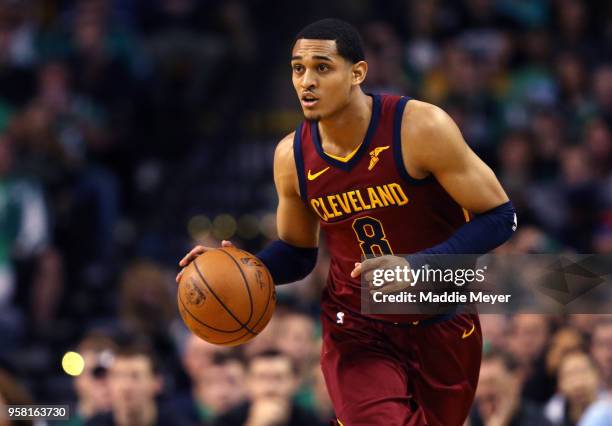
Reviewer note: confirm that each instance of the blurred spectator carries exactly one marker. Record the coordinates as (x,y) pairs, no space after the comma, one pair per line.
(422,18)
(18,53)
(59,124)
(498,396)
(598,140)
(145,304)
(601,351)
(221,386)
(135,382)
(56,135)
(384,53)
(198,355)
(295,337)
(91,386)
(12,393)
(217,381)
(266,340)
(602,91)
(578,389)
(571,73)
(24,239)
(494,330)
(529,335)
(530,239)
(564,341)
(598,414)
(271,384)
(515,161)
(583,323)
(322,404)
(147,307)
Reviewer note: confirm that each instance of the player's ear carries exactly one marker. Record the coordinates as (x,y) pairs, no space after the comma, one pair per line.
(359,71)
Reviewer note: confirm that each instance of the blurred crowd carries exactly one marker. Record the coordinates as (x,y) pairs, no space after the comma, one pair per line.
(132,129)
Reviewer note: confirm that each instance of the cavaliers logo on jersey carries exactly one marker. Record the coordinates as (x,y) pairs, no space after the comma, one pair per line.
(374,156)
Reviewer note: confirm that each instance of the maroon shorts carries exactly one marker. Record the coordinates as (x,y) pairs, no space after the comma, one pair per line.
(384,374)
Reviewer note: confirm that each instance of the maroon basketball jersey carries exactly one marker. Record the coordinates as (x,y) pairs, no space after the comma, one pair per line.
(369,204)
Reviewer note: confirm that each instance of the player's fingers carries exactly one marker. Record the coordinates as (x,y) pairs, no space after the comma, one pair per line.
(195,252)
(179,275)
(226,243)
(357,271)
(368,278)
(373,263)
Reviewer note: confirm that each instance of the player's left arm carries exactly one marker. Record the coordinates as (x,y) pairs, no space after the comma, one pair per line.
(433,145)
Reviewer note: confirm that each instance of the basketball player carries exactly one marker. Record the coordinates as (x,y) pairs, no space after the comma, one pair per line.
(380,175)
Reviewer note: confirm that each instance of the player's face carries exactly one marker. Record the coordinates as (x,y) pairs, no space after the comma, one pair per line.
(322,79)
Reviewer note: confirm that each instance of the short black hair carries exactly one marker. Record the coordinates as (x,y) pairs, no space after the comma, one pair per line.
(347,38)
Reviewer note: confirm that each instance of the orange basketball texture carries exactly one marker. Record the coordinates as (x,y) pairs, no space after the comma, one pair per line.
(226,296)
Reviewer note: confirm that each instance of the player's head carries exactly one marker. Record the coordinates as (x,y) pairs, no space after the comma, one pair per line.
(328,65)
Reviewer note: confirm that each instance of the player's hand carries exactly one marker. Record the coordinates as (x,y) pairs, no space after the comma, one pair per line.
(195,252)
(367,267)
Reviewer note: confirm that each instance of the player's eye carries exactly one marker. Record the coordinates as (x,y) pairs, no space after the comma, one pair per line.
(323,67)
(298,68)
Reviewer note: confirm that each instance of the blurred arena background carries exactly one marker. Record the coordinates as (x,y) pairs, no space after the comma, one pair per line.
(131,130)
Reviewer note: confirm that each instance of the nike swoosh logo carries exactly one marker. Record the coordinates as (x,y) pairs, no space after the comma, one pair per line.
(467,334)
(312,176)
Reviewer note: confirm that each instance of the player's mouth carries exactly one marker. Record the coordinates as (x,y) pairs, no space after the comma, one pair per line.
(309,100)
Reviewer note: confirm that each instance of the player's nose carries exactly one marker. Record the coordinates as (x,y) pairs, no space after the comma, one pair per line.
(309,80)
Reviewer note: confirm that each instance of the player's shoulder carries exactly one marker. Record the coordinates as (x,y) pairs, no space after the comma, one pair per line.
(430,139)
(284,159)
(423,119)
(283,153)
(285,146)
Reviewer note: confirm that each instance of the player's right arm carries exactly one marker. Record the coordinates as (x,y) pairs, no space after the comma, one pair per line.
(296,224)
(294,254)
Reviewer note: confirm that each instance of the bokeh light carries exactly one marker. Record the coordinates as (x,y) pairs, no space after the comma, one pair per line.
(224,227)
(73,363)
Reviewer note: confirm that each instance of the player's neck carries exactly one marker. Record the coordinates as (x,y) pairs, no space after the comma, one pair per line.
(345,130)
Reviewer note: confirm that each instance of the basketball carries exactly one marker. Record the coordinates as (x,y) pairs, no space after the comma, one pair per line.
(226,296)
